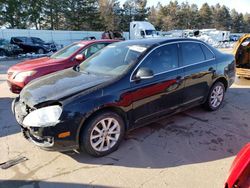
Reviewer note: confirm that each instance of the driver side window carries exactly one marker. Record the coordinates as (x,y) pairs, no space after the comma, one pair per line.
(93,49)
(162,59)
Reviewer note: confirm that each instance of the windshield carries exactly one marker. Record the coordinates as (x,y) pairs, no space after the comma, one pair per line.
(67,51)
(150,32)
(113,60)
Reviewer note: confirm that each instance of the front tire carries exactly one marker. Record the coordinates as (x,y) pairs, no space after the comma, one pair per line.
(215,97)
(102,134)
(40,51)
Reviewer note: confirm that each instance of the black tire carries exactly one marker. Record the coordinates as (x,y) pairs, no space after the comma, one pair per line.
(88,131)
(2,53)
(40,51)
(209,105)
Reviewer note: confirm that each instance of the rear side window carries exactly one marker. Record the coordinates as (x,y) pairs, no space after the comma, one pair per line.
(207,52)
(191,53)
(29,40)
(19,39)
(162,59)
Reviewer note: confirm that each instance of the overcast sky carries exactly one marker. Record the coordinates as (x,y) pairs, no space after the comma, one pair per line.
(240,5)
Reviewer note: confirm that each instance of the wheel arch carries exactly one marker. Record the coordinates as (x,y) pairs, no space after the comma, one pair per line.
(222,80)
(94,113)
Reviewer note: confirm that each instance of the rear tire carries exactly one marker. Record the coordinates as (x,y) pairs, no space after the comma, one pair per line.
(102,134)
(215,97)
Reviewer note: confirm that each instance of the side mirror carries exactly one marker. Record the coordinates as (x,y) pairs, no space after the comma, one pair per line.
(80,57)
(142,33)
(144,73)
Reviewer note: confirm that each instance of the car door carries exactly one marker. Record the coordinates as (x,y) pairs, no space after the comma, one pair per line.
(161,94)
(199,68)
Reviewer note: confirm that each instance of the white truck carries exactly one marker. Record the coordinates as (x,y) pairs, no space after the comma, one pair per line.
(142,29)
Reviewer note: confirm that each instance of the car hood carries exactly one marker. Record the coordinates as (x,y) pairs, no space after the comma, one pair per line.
(34,64)
(59,85)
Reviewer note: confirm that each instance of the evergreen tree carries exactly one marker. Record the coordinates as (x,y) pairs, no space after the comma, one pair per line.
(247,23)
(35,10)
(14,13)
(237,25)
(205,14)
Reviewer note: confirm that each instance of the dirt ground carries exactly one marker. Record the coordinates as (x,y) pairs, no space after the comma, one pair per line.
(191,149)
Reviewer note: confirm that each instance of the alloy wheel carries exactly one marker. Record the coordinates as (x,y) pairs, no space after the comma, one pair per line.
(217,96)
(105,134)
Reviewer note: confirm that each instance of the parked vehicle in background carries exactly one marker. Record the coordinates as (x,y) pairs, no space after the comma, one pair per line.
(234,37)
(216,35)
(239,175)
(126,85)
(22,73)
(33,44)
(242,56)
(116,35)
(89,38)
(142,29)
(7,49)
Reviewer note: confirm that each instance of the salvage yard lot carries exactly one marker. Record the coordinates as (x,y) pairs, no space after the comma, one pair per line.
(191,149)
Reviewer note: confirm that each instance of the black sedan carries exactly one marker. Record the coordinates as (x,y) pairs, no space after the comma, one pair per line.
(124,86)
(33,44)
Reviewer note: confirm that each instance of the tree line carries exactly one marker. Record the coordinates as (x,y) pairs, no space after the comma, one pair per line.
(99,15)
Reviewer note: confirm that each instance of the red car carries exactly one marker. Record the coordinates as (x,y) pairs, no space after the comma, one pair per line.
(22,73)
(240,170)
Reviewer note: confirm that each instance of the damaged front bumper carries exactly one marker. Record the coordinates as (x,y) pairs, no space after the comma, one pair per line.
(44,137)
(44,142)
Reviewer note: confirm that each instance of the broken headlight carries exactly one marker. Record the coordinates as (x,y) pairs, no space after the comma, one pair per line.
(43,117)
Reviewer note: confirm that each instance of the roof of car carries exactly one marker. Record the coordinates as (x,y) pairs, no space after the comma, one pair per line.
(155,41)
(86,42)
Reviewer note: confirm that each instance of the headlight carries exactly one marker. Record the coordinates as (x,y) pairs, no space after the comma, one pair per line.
(21,76)
(43,117)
